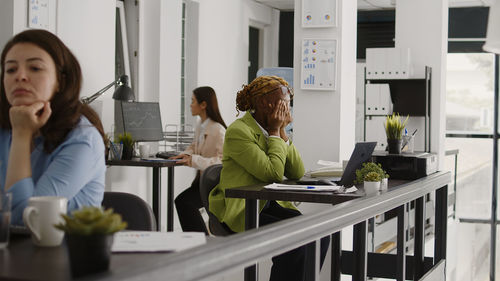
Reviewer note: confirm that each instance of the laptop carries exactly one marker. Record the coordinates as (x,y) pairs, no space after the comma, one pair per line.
(362,153)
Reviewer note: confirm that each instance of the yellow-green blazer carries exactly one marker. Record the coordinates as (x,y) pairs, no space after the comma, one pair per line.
(249,158)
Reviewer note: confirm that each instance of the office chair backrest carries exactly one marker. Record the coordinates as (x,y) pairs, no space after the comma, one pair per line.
(135,211)
(208,180)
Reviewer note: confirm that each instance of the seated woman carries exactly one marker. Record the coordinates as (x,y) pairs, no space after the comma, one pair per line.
(206,150)
(257,150)
(50,143)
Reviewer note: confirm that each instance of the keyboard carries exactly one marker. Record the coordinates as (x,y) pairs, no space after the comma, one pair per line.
(166,154)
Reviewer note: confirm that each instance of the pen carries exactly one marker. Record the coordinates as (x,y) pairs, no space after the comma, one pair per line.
(115,153)
(407,141)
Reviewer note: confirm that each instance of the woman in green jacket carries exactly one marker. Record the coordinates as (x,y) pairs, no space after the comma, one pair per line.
(257,150)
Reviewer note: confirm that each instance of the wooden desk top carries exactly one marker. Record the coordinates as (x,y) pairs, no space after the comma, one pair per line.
(142,163)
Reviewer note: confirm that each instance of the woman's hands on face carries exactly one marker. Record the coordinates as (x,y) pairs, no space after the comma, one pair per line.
(279,117)
(28,119)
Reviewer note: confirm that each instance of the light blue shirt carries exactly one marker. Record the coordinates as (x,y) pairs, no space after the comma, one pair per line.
(75,170)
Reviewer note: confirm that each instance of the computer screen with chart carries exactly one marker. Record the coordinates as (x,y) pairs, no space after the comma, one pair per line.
(141,119)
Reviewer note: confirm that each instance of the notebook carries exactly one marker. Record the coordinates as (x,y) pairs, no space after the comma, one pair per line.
(362,153)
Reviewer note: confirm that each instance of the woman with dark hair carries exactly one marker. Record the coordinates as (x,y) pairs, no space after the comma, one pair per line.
(50,143)
(257,150)
(204,151)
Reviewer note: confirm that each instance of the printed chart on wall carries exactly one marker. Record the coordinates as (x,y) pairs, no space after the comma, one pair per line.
(319,58)
(38,14)
(319,13)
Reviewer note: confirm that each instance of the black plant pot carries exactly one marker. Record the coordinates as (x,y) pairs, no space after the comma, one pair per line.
(89,253)
(394,146)
(128,152)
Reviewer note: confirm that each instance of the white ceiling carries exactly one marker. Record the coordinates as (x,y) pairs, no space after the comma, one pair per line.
(288,5)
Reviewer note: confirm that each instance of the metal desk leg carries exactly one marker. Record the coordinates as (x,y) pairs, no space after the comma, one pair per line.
(419,249)
(336,253)
(157,195)
(312,260)
(251,222)
(170,200)
(401,240)
(441,224)
(359,251)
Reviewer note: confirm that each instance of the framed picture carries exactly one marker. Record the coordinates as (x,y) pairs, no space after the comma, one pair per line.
(319,62)
(319,13)
(41,14)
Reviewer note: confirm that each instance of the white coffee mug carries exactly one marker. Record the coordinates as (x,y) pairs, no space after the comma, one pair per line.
(40,216)
(144,150)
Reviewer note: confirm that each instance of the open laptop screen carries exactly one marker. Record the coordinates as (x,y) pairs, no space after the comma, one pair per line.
(362,153)
(141,119)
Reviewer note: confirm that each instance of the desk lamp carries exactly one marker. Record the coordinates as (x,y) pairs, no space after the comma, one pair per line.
(122,93)
(492,45)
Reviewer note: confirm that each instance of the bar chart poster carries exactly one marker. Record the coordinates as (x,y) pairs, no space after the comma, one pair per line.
(319,13)
(319,57)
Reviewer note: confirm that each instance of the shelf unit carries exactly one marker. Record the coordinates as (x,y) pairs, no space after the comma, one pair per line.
(410,96)
(176,139)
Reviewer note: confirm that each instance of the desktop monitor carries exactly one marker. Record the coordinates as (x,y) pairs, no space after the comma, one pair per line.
(141,119)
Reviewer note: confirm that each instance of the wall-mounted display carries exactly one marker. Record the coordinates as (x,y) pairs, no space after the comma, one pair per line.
(319,59)
(319,13)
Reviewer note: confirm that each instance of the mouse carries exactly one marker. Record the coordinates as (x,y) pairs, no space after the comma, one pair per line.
(325,182)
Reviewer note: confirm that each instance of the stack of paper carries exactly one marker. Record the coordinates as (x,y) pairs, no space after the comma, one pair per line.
(278,186)
(299,187)
(327,172)
(329,169)
(150,241)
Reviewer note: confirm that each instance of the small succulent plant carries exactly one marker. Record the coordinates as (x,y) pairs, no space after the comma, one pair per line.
(372,176)
(92,220)
(367,168)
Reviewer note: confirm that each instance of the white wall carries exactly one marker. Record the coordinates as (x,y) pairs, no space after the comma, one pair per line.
(93,44)
(324,121)
(422,26)
(223,46)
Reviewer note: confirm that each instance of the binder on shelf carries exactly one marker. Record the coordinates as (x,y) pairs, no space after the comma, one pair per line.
(378,99)
(388,63)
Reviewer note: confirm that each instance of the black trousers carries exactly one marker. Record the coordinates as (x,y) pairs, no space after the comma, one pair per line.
(188,204)
(290,265)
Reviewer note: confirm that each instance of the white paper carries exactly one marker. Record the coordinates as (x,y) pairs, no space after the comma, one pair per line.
(277,186)
(298,187)
(151,241)
(329,163)
(154,159)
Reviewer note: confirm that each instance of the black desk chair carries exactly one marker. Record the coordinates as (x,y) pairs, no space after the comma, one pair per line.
(208,180)
(135,211)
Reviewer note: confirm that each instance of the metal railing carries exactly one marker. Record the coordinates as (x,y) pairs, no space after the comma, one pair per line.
(223,255)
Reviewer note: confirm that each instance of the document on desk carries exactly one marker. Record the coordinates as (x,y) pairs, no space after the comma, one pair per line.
(153,159)
(298,187)
(313,188)
(152,241)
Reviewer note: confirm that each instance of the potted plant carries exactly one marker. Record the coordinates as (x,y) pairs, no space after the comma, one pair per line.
(367,168)
(128,145)
(372,182)
(394,126)
(89,236)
